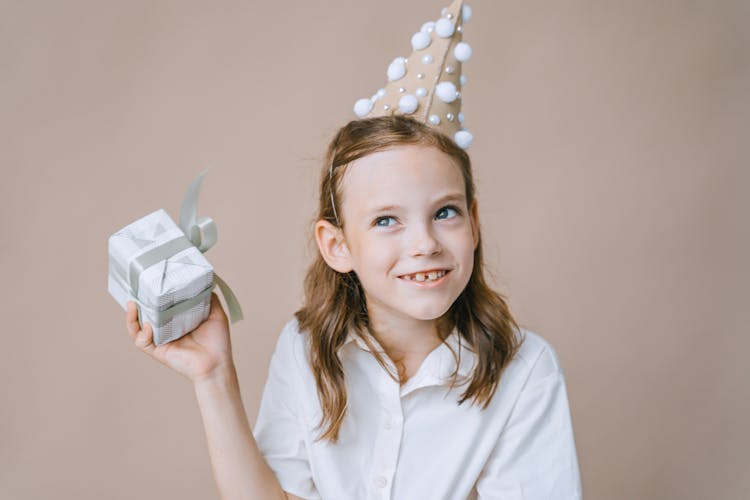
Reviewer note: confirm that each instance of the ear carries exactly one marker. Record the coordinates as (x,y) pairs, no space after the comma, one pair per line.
(333,246)
(474,214)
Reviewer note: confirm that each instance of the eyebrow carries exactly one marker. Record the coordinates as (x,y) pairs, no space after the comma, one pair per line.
(456,197)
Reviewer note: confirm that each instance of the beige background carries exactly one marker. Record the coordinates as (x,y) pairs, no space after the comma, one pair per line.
(612,159)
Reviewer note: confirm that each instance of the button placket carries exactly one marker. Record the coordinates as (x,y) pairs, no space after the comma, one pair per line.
(388,440)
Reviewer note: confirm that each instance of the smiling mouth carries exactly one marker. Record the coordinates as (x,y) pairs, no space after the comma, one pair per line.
(426,275)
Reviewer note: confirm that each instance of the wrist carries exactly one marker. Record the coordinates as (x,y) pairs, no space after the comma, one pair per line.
(222,376)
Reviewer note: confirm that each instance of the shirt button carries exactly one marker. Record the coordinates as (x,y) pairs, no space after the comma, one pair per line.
(388,425)
(380,482)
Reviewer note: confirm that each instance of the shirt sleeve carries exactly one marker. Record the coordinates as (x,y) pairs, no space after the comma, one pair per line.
(535,456)
(279,430)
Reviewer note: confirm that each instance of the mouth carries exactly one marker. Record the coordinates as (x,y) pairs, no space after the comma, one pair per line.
(426,276)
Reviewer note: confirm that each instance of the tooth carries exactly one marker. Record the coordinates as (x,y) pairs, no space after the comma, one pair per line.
(419,276)
(433,275)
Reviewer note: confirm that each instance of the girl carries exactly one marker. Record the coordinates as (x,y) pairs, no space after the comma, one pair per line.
(403,375)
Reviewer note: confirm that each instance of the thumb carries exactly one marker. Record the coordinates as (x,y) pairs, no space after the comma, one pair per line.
(144,340)
(217,311)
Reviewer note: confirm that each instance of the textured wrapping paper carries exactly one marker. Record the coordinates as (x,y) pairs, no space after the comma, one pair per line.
(160,266)
(171,281)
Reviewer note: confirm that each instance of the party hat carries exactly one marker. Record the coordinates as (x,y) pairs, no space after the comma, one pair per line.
(427,85)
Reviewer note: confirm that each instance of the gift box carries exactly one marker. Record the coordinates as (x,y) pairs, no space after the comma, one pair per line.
(161,267)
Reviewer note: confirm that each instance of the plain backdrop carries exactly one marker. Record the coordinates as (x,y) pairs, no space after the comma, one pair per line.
(611,155)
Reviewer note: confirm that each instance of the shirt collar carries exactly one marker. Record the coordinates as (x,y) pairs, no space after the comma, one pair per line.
(352,336)
(440,363)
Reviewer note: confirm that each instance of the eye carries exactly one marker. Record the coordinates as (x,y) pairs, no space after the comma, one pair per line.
(384,221)
(447,212)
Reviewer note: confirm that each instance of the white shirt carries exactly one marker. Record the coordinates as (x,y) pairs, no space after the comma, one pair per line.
(413,442)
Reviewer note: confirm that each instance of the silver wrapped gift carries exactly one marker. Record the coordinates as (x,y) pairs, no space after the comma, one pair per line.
(184,276)
(160,266)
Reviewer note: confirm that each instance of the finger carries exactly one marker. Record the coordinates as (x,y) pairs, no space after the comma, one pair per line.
(144,339)
(217,312)
(131,320)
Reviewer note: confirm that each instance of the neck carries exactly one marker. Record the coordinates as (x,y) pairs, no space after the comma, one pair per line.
(406,337)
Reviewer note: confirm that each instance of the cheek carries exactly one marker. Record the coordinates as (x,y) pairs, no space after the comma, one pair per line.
(382,255)
(461,240)
(375,255)
(465,250)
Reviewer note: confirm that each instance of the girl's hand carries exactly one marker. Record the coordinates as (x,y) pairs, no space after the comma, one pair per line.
(199,355)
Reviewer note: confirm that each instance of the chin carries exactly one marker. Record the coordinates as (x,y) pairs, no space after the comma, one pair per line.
(428,312)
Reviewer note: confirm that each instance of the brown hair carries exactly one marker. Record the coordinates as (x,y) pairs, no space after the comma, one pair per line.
(335,302)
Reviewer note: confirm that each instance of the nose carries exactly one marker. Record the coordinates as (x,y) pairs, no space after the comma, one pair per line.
(423,241)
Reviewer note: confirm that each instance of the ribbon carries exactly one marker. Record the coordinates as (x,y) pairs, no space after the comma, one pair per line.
(199,232)
(203,235)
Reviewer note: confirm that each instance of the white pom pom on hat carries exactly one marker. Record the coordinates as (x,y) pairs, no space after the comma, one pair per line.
(444,27)
(462,51)
(446,91)
(362,107)
(397,69)
(464,139)
(408,104)
(420,40)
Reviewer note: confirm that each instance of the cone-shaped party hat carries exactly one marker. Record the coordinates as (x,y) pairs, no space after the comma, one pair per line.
(427,85)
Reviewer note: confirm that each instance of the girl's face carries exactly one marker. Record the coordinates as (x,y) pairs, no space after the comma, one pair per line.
(409,234)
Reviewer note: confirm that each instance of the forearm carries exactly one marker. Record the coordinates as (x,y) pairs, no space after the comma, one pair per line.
(239,468)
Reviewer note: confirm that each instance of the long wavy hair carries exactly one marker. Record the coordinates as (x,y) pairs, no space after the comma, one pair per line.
(335,302)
